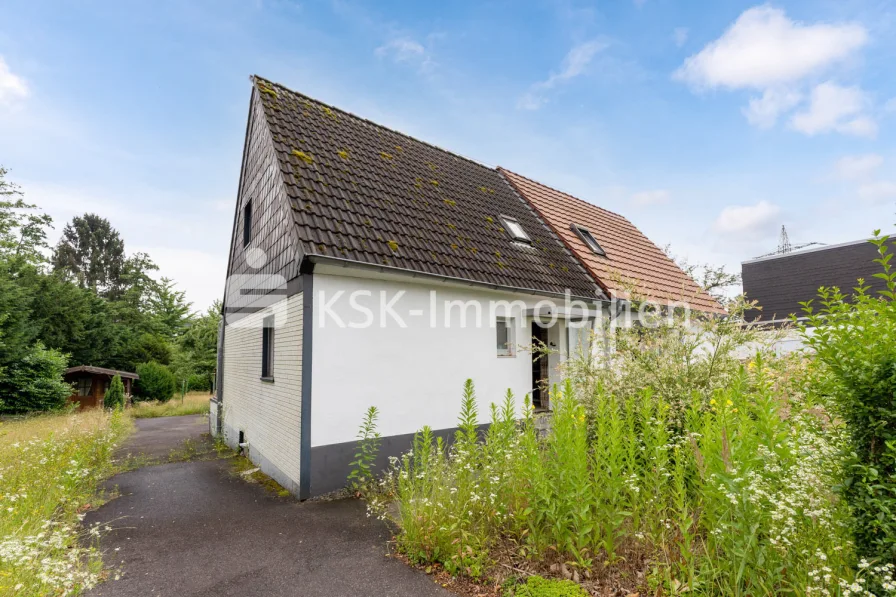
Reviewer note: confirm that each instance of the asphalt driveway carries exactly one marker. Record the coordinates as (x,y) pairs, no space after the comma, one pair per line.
(195,529)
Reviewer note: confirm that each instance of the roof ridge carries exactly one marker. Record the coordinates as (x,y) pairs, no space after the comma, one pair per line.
(375,124)
(570,195)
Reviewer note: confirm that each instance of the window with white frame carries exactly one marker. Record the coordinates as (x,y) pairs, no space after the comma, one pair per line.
(504,329)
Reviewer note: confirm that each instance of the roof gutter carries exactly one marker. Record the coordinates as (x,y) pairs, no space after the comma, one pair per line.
(389,269)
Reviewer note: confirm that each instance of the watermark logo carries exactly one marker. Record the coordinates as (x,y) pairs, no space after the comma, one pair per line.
(254,296)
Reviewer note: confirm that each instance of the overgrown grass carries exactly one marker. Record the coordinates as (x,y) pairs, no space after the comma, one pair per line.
(50,467)
(730,496)
(194,403)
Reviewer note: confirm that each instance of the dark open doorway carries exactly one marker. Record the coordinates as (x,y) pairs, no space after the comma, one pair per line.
(539,367)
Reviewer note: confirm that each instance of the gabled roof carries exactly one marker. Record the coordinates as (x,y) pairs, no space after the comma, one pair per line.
(101,371)
(631,258)
(364,193)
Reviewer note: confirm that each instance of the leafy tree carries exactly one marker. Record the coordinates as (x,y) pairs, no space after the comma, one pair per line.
(91,253)
(35,383)
(22,238)
(198,348)
(16,330)
(135,284)
(61,313)
(156,382)
(170,309)
(22,231)
(151,348)
(852,338)
(115,394)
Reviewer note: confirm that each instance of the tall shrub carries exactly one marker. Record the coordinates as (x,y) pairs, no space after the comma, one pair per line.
(156,382)
(114,397)
(35,382)
(854,339)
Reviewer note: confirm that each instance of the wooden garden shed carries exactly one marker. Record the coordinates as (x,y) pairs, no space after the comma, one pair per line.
(90,384)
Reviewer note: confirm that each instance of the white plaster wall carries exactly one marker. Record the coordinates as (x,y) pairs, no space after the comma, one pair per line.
(269,413)
(414,375)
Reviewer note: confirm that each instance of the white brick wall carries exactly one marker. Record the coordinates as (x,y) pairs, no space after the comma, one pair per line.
(269,413)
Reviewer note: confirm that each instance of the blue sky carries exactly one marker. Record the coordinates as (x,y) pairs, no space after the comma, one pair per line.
(708,125)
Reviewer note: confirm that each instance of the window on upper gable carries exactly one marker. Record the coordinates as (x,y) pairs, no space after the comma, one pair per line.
(515,230)
(247,223)
(589,239)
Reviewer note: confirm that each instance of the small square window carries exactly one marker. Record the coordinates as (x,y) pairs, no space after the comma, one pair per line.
(85,384)
(504,328)
(515,230)
(589,240)
(267,349)
(247,223)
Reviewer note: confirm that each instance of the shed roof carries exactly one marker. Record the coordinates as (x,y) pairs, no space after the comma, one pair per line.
(631,258)
(365,193)
(101,371)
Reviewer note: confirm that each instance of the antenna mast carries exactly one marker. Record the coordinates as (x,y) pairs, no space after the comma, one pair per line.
(784,245)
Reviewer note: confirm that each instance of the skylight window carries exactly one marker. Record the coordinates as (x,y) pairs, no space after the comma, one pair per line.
(589,240)
(515,230)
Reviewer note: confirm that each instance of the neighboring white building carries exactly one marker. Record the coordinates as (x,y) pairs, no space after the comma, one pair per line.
(371,269)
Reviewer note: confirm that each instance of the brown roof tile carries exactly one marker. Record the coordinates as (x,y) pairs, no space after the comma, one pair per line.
(631,260)
(366,193)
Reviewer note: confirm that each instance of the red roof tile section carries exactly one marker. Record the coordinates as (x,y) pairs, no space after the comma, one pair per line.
(632,259)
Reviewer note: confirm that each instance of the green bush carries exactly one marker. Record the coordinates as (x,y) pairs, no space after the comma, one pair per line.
(35,382)
(114,397)
(156,382)
(853,338)
(199,383)
(536,586)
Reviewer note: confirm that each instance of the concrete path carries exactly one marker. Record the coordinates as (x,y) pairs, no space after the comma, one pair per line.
(156,438)
(194,529)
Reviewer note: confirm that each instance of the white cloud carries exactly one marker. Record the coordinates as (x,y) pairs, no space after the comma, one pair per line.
(858,167)
(763,111)
(835,108)
(11,85)
(767,51)
(878,191)
(680,36)
(647,198)
(764,48)
(574,64)
(406,50)
(748,222)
